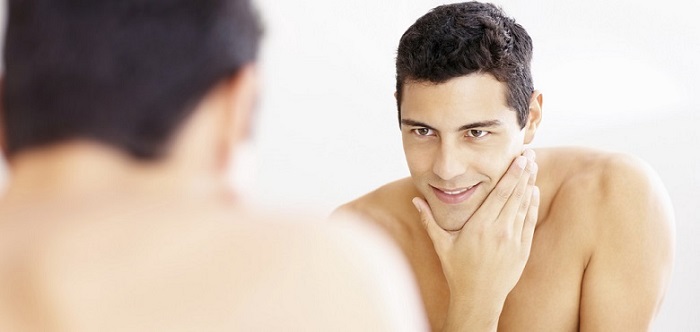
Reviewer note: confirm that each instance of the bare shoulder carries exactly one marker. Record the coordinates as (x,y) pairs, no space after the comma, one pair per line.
(619,205)
(604,182)
(389,207)
(345,264)
(617,199)
(189,267)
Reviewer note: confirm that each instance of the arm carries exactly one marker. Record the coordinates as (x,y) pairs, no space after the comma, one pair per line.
(483,261)
(630,267)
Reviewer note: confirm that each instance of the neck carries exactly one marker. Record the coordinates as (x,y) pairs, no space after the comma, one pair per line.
(84,170)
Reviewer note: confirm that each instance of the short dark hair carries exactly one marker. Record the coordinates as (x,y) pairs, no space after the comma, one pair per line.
(464,38)
(126,73)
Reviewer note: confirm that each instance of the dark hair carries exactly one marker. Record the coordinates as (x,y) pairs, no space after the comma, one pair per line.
(126,73)
(464,38)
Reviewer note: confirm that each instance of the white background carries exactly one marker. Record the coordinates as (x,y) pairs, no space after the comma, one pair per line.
(619,75)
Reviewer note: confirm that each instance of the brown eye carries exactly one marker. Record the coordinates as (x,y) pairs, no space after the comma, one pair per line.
(477,133)
(423,131)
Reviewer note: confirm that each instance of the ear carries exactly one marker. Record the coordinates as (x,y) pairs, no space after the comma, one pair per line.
(534,118)
(242,98)
(240,93)
(3,139)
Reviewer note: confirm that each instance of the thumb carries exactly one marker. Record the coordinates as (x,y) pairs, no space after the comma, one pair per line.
(437,234)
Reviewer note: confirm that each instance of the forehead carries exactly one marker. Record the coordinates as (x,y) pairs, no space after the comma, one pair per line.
(475,97)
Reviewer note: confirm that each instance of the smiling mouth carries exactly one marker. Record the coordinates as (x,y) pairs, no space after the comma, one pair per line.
(455,192)
(454,196)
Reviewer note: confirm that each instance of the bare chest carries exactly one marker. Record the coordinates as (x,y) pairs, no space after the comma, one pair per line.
(547,296)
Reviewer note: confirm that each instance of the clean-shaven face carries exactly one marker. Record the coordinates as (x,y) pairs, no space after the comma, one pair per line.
(459,138)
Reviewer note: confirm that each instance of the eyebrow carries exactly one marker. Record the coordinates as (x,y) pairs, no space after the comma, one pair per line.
(478,124)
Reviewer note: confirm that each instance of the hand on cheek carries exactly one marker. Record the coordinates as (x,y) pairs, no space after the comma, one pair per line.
(484,260)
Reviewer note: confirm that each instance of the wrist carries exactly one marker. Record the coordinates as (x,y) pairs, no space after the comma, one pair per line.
(473,314)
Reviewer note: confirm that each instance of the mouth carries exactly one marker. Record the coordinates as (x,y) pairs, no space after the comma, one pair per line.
(455,195)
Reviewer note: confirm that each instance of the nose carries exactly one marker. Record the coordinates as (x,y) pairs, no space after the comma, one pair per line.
(447,165)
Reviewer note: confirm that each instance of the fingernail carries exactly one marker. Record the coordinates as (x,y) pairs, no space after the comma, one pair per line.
(521,162)
(415,203)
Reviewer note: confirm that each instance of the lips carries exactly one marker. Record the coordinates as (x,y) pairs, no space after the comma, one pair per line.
(456,195)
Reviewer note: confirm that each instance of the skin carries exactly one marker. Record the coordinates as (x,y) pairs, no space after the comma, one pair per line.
(91,240)
(578,240)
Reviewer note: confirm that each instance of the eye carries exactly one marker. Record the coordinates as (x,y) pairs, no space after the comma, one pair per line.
(423,132)
(475,133)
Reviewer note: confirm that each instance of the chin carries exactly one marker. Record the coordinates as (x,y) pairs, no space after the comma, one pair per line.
(453,229)
(451,221)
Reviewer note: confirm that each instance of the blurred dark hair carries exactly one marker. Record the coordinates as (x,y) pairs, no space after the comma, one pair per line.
(122,72)
(464,38)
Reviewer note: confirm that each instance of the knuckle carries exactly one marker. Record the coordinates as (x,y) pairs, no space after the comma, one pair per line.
(504,234)
(524,205)
(502,194)
(424,219)
(530,222)
(518,193)
(426,225)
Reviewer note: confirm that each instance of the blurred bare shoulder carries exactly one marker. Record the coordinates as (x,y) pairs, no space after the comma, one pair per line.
(389,207)
(181,266)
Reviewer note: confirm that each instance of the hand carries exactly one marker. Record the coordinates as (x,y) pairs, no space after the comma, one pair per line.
(485,259)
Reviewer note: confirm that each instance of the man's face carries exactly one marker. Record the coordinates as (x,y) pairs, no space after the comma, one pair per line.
(459,138)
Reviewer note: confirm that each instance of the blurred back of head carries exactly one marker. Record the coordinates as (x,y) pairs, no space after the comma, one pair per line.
(124,73)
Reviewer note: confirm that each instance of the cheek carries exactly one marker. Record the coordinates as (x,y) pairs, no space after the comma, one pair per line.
(498,160)
(417,163)
(418,160)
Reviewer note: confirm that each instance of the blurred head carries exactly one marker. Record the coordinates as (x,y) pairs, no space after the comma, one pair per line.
(466,104)
(127,74)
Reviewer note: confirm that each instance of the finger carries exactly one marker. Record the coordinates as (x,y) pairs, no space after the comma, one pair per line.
(513,212)
(524,205)
(493,204)
(530,154)
(435,232)
(531,219)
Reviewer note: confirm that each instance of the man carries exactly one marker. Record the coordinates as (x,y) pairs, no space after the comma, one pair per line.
(578,240)
(119,121)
